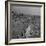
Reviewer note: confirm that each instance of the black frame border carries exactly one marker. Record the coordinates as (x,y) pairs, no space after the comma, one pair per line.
(6,23)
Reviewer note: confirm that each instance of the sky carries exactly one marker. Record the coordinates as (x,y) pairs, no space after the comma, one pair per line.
(26,9)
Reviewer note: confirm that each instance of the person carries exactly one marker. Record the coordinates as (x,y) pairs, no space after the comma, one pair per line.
(27,34)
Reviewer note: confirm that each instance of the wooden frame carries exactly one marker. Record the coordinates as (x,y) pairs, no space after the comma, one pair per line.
(37,4)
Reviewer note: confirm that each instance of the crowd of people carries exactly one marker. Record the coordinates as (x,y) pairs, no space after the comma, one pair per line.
(25,26)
